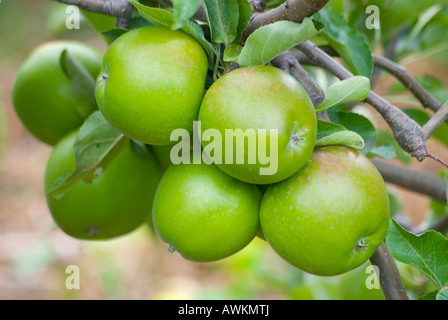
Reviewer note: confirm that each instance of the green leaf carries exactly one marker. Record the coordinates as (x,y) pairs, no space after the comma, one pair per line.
(245,13)
(267,42)
(427,252)
(350,90)
(433,85)
(422,117)
(114,34)
(394,15)
(183,11)
(357,123)
(82,84)
(97,144)
(436,210)
(138,22)
(223,19)
(232,52)
(166,18)
(395,204)
(330,134)
(348,43)
(100,22)
(442,294)
(446,194)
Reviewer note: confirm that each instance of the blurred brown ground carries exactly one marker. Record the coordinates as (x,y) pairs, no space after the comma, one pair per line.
(415,205)
(34,252)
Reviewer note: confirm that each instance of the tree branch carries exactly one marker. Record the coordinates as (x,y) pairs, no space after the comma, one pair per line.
(407,132)
(297,10)
(121,9)
(400,72)
(287,62)
(412,179)
(418,181)
(389,276)
(199,15)
(292,10)
(390,279)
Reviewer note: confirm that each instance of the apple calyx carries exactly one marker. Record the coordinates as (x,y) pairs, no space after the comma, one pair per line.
(171,249)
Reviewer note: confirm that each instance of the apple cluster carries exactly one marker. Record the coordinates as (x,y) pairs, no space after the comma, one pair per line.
(324,210)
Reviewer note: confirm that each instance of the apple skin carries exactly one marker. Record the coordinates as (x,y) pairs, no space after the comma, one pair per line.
(262,97)
(152,82)
(116,203)
(204,214)
(329,217)
(42,95)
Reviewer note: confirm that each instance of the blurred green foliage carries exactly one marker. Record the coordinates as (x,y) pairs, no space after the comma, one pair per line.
(26,24)
(2,129)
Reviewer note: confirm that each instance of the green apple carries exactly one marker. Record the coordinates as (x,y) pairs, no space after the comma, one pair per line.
(100,22)
(42,94)
(329,217)
(272,118)
(163,154)
(116,203)
(152,82)
(204,214)
(359,284)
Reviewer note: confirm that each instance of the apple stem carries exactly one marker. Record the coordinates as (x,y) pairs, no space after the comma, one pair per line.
(171,249)
(91,230)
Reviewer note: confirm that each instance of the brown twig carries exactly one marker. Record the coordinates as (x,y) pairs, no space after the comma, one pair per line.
(400,72)
(257,6)
(121,9)
(389,275)
(287,62)
(407,132)
(436,158)
(297,10)
(437,119)
(412,179)
(199,15)
(390,279)
(389,52)
(303,58)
